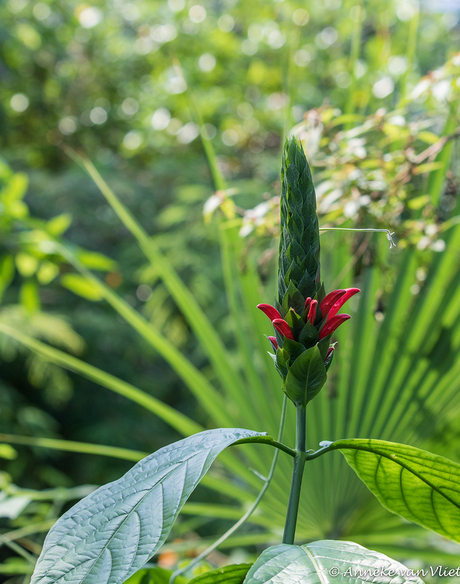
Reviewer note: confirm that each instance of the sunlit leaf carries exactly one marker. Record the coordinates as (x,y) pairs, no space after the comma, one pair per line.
(420,486)
(81,286)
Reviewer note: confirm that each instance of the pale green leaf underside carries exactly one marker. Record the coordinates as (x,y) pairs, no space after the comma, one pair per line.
(233,574)
(420,486)
(111,534)
(325,562)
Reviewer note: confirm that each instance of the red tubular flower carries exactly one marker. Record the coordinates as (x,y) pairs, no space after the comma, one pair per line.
(333,324)
(307,303)
(283,328)
(329,301)
(341,301)
(274,342)
(312,311)
(270,311)
(334,301)
(329,351)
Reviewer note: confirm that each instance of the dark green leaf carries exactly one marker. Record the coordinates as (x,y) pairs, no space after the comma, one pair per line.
(306,376)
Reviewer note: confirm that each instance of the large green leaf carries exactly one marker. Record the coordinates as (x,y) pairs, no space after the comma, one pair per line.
(324,562)
(234,574)
(420,486)
(111,533)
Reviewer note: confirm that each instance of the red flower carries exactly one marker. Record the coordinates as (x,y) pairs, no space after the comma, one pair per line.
(332,325)
(283,328)
(329,307)
(270,311)
(334,301)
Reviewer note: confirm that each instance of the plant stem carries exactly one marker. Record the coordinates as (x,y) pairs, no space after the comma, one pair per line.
(297,475)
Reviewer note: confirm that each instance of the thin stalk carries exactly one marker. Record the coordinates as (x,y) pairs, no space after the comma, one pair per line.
(297,475)
(248,513)
(18,549)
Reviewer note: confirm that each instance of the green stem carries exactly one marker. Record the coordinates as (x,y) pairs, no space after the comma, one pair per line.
(297,475)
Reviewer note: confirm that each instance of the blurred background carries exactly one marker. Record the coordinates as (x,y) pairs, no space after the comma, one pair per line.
(182,107)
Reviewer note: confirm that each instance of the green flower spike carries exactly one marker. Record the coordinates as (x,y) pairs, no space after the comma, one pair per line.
(304,318)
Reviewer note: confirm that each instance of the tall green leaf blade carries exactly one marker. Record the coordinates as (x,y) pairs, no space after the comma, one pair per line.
(111,534)
(420,486)
(324,562)
(234,574)
(184,299)
(175,419)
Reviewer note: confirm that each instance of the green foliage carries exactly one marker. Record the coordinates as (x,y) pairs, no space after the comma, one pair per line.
(306,377)
(144,503)
(418,485)
(299,236)
(105,82)
(233,574)
(153,576)
(327,562)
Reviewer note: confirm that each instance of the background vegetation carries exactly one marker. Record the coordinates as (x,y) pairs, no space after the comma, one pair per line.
(173,101)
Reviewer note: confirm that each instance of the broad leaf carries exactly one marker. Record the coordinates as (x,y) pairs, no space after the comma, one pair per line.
(325,562)
(112,533)
(420,486)
(234,574)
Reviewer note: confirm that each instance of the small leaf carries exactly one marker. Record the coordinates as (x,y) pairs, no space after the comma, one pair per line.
(47,272)
(309,336)
(6,273)
(59,224)
(326,562)
(8,452)
(111,533)
(234,574)
(29,296)
(95,261)
(155,575)
(420,486)
(306,377)
(15,189)
(81,286)
(27,265)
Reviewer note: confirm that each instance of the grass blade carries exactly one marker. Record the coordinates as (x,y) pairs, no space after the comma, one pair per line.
(197,319)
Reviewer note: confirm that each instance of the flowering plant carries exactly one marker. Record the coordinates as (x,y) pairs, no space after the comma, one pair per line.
(111,534)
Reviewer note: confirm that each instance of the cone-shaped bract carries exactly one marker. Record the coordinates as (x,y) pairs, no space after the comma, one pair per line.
(299,244)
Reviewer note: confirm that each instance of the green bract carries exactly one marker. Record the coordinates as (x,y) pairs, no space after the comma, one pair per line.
(299,268)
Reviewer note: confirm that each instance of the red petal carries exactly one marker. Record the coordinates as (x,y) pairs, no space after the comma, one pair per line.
(307,303)
(329,351)
(333,324)
(312,312)
(329,300)
(283,328)
(349,292)
(274,342)
(270,311)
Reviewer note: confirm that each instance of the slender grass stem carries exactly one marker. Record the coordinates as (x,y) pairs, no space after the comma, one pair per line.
(297,475)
